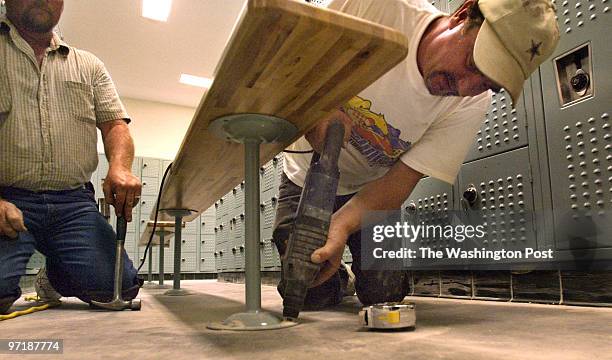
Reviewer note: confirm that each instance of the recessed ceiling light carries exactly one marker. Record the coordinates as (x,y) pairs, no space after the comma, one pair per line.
(156,9)
(195,81)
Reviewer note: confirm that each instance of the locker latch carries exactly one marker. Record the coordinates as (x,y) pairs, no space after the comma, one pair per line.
(574,74)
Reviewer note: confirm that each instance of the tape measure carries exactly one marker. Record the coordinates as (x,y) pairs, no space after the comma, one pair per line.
(389,316)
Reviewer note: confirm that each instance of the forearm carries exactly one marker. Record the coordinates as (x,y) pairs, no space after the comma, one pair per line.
(119,146)
(387,193)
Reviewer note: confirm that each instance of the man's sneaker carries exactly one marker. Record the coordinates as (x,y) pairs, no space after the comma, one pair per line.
(44,290)
(4,307)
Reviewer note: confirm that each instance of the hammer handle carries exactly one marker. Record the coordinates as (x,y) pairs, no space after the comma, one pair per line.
(121,228)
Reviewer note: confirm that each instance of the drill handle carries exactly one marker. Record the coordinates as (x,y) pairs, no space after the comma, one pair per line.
(334,138)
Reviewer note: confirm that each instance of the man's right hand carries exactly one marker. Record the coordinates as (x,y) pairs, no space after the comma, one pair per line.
(316,135)
(11,220)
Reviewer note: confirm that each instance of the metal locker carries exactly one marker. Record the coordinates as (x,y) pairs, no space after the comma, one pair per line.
(145,267)
(239,237)
(228,203)
(136,166)
(188,243)
(238,201)
(504,128)
(238,254)
(102,167)
(151,167)
(429,203)
(268,174)
(96,182)
(228,258)
(169,258)
(191,227)
(218,261)
(147,205)
(218,241)
(210,212)
(207,223)
(218,217)
(268,254)
(131,226)
(451,6)
(150,186)
(278,166)
(207,262)
(499,188)
(576,89)
(130,242)
(269,213)
(207,243)
(443,5)
(223,234)
(188,262)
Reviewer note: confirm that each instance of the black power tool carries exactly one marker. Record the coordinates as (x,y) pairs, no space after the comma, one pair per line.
(310,229)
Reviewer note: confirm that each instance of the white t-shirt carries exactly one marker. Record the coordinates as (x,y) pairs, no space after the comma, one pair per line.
(396,117)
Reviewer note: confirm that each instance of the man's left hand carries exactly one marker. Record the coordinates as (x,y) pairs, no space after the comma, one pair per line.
(122,190)
(330,255)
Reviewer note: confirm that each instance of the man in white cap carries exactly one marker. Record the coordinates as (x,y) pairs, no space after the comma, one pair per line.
(419,119)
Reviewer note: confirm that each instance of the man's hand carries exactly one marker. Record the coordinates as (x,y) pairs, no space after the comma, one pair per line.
(122,189)
(316,135)
(330,255)
(11,220)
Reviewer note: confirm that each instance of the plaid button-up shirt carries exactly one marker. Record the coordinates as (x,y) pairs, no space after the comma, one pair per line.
(49,113)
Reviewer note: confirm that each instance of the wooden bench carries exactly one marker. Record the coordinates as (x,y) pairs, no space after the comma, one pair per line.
(286,65)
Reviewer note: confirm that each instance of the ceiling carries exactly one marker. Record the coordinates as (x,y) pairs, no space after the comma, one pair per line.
(146,58)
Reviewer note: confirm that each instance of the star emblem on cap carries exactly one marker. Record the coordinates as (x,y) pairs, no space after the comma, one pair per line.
(534,50)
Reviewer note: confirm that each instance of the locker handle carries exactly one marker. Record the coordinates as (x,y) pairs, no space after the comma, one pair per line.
(411,208)
(470,195)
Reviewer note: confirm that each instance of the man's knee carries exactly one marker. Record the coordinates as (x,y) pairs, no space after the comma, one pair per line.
(382,286)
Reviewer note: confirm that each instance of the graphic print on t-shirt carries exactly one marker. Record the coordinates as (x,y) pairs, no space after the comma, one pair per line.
(375,139)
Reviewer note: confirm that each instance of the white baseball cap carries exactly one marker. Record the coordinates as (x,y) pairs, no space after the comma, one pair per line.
(514,39)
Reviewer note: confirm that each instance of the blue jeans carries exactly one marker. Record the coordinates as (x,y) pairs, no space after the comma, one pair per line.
(78,242)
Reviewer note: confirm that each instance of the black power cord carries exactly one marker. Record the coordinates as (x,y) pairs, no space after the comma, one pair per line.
(161,187)
(298,151)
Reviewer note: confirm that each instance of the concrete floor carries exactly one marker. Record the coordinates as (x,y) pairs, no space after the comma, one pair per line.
(175,328)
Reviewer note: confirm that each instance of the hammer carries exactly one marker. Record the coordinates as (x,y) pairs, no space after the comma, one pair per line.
(118,303)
